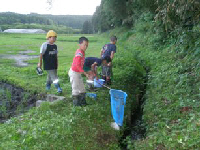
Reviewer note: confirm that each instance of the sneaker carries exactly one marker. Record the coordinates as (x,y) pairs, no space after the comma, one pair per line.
(48,87)
(59,90)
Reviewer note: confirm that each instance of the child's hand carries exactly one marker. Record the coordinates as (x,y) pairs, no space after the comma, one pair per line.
(109,64)
(86,74)
(97,78)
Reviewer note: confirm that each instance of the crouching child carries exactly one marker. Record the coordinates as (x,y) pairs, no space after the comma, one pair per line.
(78,88)
(49,56)
(91,64)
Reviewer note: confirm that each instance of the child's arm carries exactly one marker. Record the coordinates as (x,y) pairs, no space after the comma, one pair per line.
(101,53)
(40,61)
(57,61)
(94,68)
(112,55)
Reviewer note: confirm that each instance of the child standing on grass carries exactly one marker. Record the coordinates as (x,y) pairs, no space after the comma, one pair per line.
(108,50)
(78,88)
(48,53)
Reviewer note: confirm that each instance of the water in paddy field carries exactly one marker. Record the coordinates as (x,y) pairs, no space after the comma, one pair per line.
(21,58)
(14,101)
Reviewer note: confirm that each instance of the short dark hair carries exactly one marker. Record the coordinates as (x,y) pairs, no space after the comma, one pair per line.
(81,39)
(107,58)
(113,38)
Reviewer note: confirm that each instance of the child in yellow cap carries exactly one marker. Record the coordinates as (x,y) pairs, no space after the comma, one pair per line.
(49,56)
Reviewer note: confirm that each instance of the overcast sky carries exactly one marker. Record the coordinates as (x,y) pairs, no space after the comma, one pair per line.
(59,7)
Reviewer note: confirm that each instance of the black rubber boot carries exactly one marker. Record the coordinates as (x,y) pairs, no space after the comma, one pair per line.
(82,99)
(108,82)
(104,78)
(76,100)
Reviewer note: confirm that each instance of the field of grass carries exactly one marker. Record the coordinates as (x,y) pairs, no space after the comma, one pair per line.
(58,126)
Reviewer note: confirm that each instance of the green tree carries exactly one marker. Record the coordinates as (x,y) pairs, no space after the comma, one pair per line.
(87,28)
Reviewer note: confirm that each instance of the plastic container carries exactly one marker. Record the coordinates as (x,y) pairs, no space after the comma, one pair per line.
(118,101)
(96,82)
(92,95)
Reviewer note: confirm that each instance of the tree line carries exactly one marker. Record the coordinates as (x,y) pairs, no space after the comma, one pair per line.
(168,14)
(61,23)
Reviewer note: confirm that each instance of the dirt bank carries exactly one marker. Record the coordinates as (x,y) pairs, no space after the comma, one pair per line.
(14,101)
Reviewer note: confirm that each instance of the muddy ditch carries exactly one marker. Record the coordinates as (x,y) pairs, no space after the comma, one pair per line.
(14,101)
(136,130)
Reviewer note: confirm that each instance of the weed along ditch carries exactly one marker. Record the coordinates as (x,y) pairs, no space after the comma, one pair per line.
(134,128)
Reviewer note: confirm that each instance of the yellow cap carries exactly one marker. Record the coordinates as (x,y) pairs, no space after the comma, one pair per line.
(51,33)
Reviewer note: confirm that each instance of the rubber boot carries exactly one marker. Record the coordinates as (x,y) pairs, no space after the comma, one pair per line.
(76,100)
(108,82)
(59,90)
(104,78)
(48,86)
(82,99)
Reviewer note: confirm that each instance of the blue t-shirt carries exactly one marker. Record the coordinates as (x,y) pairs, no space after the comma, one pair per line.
(107,49)
(91,60)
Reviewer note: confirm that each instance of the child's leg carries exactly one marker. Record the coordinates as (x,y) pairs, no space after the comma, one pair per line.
(104,70)
(108,75)
(54,78)
(77,87)
(49,81)
(75,80)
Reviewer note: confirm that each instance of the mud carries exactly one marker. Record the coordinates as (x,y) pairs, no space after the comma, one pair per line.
(14,101)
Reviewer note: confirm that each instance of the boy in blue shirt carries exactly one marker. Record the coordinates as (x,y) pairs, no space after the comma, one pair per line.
(108,50)
(48,54)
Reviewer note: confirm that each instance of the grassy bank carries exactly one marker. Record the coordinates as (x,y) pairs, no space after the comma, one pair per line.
(171,110)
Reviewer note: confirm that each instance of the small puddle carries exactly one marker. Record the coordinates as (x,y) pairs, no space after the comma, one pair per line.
(21,58)
(26,52)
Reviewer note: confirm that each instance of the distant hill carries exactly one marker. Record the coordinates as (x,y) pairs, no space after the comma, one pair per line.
(73,21)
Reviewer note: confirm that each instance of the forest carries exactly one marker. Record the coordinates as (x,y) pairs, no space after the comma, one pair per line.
(60,23)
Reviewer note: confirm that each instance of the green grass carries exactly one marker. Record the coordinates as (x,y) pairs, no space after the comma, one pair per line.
(172,106)
(58,126)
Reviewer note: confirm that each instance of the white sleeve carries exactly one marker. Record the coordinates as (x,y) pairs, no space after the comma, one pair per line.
(43,48)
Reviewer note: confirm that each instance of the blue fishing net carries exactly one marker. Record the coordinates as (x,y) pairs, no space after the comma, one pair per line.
(118,101)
